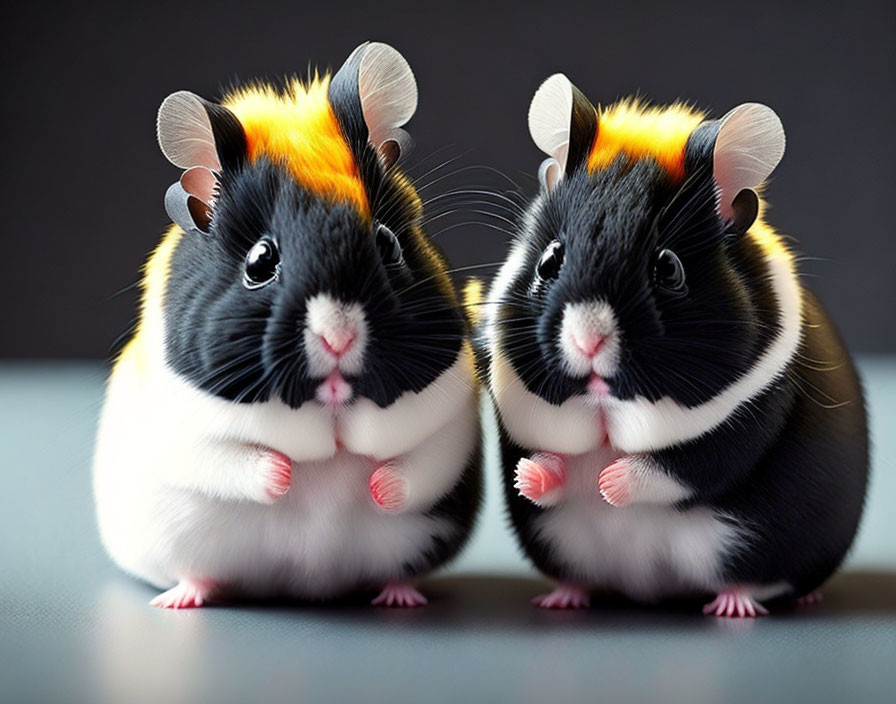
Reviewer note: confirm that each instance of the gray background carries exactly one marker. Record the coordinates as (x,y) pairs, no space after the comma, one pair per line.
(83,180)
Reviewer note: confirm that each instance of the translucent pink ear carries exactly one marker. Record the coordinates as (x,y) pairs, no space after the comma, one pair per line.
(185,132)
(200,182)
(563,124)
(550,113)
(188,138)
(748,147)
(387,90)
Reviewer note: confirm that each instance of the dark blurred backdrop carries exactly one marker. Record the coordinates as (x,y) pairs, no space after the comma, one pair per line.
(83,179)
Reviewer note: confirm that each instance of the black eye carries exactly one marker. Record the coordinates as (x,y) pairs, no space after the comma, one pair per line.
(668,272)
(262,263)
(388,246)
(548,267)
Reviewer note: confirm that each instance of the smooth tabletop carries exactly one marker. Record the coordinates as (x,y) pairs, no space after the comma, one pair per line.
(74,628)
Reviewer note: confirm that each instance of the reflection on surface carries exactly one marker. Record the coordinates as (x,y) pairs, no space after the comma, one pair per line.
(140,650)
(479,638)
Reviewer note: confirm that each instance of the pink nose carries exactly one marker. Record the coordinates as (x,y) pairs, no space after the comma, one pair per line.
(589,344)
(338,342)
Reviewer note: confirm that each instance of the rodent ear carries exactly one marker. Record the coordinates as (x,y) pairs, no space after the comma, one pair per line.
(377,79)
(749,144)
(189,201)
(549,173)
(563,124)
(202,138)
(194,132)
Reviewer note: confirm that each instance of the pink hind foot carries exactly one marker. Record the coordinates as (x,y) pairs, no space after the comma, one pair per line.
(540,478)
(810,599)
(564,596)
(186,594)
(400,594)
(735,602)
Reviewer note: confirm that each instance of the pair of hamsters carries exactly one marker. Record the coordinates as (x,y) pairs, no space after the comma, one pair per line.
(297,414)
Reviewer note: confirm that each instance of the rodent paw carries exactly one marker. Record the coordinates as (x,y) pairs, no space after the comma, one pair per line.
(388,488)
(277,473)
(399,594)
(616,482)
(186,594)
(541,477)
(735,602)
(564,596)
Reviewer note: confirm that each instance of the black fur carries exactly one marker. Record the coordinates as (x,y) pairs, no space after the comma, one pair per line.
(803,498)
(460,506)
(582,129)
(246,345)
(613,224)
(230,139)
(790,466)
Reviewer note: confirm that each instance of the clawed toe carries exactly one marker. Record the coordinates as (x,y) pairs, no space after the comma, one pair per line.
(400,595)
(388,488)
(735,603)
(277,474)
(539,477)
(615,483)
(564,596)
(186,594)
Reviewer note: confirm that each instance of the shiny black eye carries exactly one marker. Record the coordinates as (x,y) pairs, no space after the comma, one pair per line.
(548,267)
(668,272)
(387,245)
(262,264)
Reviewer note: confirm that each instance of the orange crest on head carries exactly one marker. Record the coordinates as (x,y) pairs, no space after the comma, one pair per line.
(298,129)
(639,132)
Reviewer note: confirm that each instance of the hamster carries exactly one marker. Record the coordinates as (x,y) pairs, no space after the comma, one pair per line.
(678,415)
(296,414)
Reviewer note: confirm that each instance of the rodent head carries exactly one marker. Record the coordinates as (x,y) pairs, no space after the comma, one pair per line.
(634,273)
(301,271)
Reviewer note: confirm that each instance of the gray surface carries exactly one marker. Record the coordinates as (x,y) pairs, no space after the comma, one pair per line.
(72,628)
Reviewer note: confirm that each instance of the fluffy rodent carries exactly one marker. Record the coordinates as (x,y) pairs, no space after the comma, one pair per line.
(296,414)
(678,414)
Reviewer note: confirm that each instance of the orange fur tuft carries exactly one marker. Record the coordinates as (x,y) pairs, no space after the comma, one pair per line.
(638,131)
(299,129)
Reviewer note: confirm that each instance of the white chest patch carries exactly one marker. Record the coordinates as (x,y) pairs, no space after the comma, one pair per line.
(643,551)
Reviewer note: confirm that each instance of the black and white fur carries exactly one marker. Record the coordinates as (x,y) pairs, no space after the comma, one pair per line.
(733,405)
(227,373)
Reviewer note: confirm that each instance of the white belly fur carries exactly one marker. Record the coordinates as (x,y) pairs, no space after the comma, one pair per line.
(324,538)
(643,551)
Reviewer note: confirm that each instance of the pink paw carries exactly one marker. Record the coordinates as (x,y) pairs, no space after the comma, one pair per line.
(615,482)
(400,594)
(538,477)
(735,602)
(186,594)
(810,599)
(278,472)
(564,596)
(388,489)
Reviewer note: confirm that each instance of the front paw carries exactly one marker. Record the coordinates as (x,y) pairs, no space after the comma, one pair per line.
(616,482)
(388,488)
(275,473)
(541,478)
